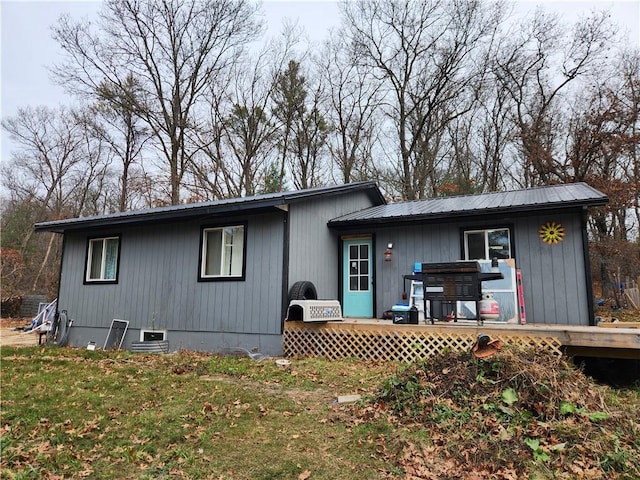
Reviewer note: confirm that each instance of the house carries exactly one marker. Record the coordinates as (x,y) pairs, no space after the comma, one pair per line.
(539,233)
(216,275)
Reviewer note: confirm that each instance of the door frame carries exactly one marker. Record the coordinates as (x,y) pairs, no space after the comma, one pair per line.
(341,273)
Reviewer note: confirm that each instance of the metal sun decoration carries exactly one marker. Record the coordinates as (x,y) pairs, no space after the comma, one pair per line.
(551,233)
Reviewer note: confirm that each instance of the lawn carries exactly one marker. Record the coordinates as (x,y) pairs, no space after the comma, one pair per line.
(74,413)
(71,413)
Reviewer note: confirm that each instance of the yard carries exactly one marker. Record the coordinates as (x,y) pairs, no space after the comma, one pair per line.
(74,413)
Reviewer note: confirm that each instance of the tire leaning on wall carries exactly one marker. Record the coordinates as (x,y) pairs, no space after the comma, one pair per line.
(303,290)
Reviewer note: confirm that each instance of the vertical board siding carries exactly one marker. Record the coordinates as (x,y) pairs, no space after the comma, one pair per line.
(554,277)
(313,254)
(411,244)
(158,283)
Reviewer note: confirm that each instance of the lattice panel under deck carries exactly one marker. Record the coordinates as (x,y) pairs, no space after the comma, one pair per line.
(335,343)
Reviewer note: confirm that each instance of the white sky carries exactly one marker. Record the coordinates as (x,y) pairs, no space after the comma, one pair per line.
(27,48)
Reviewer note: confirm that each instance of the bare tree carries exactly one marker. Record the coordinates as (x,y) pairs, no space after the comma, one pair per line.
(492,131)
(55,162)
(626,104)
(239,140)
(58,170)
(353,100)
(173,49)
(422,53)
(307,163)
(540,62)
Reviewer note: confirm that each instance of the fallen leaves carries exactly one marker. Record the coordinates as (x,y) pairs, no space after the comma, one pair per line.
(520,409)
(186,415)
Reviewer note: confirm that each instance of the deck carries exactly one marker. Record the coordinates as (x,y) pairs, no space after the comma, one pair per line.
(383,340)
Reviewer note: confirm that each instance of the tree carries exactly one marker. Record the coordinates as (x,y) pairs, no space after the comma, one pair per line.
(174,49)
(55,158)
(352,102)
(542,60)
(239,140)
(303,128)
(602,149)
(422,53)
(307,166)
(57,172)
(289,99)
(118,122)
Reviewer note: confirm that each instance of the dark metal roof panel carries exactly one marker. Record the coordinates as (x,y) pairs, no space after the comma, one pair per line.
(215,207)
(550,197)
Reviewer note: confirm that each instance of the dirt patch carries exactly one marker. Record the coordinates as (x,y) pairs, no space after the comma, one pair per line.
(12,333)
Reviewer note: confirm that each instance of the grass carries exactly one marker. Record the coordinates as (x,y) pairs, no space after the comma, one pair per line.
(70,413)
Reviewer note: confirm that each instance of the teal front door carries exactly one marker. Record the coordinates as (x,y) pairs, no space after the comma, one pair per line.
(357,278)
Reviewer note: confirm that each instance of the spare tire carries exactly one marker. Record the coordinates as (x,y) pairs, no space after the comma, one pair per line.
(303,290)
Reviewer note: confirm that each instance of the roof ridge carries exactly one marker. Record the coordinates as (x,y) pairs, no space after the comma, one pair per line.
(524,189)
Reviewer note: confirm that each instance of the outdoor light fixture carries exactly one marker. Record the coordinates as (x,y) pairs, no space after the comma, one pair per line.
(388,253)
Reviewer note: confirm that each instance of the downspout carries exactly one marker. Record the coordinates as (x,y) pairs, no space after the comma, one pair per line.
(587,265)
(63,247)
(285,269)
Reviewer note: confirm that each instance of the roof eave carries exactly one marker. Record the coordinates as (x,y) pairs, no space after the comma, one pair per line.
(432,217)
(188,212)
(153,217)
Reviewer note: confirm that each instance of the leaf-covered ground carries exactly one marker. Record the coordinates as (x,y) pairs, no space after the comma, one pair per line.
(71,413)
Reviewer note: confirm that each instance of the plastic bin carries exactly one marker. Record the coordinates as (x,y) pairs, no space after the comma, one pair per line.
(404,314)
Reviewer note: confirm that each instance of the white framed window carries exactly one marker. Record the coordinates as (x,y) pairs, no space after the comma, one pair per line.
(102,260)
(152,335)
(359,258)
(487,244)
(223,253)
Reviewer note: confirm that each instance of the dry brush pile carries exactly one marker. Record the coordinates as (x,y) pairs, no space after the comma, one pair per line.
(519,414)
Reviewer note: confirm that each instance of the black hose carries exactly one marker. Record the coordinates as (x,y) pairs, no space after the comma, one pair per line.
(64,325)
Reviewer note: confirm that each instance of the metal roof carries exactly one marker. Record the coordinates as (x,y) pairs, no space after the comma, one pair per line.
(539,198)
(211,208)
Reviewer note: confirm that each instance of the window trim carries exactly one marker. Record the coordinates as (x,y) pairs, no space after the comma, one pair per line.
(360,275)
(201,258)
(87,263)
(143,331)
(485,229)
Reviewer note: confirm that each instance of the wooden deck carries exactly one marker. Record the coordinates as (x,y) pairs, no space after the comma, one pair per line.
(383,340)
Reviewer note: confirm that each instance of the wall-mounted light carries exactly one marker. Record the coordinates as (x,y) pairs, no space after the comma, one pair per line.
(388,252)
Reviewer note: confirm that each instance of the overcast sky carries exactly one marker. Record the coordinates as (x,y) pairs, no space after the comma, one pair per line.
(28,50)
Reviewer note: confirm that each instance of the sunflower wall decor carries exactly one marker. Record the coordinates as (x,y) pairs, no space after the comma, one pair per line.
(551,233)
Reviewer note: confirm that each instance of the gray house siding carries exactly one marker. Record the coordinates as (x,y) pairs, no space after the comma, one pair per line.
(554,278)
(313,247)
(158,287)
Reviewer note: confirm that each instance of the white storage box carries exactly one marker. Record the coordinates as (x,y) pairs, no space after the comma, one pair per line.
(314,311)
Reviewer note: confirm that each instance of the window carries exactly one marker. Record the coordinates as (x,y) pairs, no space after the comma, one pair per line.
(102,260)
(153,335)
(487,244)
(359,268)
(223,253)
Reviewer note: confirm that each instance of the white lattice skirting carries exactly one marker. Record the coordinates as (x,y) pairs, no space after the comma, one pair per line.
(333,341)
